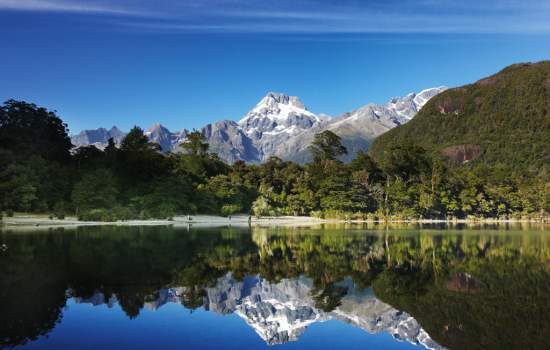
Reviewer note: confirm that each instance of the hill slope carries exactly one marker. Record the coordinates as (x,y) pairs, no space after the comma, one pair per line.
(502,120)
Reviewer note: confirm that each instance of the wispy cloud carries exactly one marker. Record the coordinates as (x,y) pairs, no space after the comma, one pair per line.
(309,16)
(89,7)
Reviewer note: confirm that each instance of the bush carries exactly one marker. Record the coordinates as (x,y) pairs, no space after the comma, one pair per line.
(59,210)
(230,209)
(97,215)
(161,211)
(166,212)
(9,213)
(317,214)
(124,213)
(261,207)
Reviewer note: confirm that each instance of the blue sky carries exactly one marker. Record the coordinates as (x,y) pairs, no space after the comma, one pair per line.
(185,63)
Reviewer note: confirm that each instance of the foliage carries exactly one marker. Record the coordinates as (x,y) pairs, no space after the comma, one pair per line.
(327,146)
(96,190)
(195,143)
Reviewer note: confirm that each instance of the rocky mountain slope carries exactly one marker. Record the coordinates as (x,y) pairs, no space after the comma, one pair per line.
(281,125)
(502,121)
(97,137)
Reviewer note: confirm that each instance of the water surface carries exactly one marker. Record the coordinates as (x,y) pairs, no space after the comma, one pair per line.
(258,288)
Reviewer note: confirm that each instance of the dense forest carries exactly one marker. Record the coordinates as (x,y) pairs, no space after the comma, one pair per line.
(428,168)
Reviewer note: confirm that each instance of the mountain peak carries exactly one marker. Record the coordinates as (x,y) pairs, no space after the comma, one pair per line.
(278,113)
(157,127)
(281,98)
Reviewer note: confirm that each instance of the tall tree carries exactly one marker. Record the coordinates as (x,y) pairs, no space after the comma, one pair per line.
(140,159)
(327,146)
(29,130)
(406,161)
(195,143)
(137,141)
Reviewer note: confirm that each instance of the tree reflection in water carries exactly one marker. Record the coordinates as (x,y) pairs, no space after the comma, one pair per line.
(466,288)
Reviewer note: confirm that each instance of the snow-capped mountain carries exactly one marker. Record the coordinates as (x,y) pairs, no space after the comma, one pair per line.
(281,312)
(360,127)
(281,125)
(278,114)
(276,120)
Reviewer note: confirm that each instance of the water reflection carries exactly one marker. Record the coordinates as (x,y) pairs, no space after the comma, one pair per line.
(455,289)
(280,312)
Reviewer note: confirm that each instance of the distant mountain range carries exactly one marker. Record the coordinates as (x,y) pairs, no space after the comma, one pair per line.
(281,125)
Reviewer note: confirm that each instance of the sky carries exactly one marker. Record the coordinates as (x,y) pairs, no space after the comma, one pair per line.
(186,63)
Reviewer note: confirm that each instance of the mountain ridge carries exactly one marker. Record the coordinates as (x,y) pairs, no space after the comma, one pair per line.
(280,125)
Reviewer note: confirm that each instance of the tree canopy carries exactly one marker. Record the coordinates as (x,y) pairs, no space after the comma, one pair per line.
(327,146)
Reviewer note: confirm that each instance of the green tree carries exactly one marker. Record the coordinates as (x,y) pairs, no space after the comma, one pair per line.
(95,190)
(406,161)
(139,162)
(364,163)
(195,144)
(29,130)
(326,146)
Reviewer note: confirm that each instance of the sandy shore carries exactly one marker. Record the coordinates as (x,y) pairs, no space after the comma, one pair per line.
(195,220)
(43,221)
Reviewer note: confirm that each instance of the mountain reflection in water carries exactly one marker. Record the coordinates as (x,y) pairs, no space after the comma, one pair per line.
(485,289)
(280,312)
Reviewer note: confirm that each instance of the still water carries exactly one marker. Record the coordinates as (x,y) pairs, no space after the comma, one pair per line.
(278,288)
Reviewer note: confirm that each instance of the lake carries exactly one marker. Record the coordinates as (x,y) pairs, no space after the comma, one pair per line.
(325,287)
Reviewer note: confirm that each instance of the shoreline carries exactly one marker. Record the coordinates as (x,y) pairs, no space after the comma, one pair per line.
(37,220)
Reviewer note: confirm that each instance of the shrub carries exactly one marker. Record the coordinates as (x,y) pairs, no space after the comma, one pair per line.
(275,212)
(317,214)
(97,215)
(335,214)
(9,213)
(261,207)
(230,209)
(124,213)
(59,210)
(161,211)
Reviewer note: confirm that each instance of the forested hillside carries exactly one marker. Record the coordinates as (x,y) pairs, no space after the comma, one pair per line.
(502,121)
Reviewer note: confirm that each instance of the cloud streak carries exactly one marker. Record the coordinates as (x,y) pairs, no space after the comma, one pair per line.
(89,7)
(308,16)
